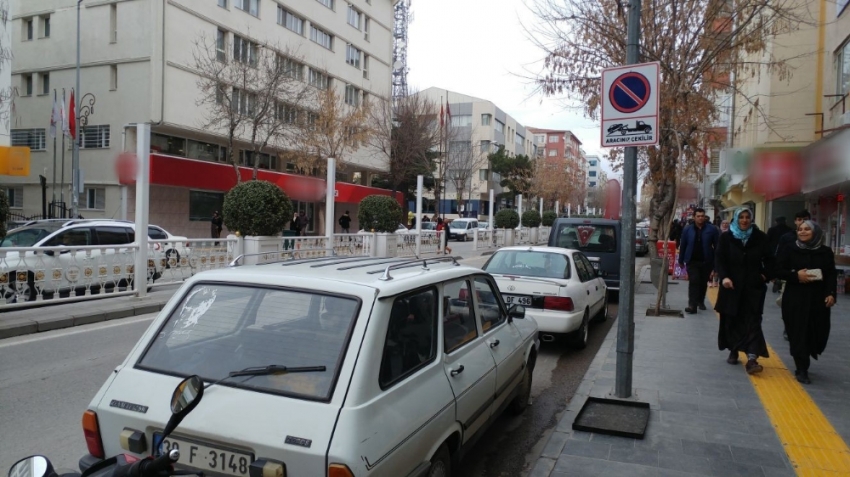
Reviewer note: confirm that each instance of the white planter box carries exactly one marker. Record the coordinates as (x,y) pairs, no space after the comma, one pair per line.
(509,237)
(269,249)
(534,234)
(386,245)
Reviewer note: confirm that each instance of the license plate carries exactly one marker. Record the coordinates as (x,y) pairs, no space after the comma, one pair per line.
(208,458)
(595,265)
(517,300)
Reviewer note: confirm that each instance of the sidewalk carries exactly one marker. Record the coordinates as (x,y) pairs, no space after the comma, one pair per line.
(68,314)
(707,417)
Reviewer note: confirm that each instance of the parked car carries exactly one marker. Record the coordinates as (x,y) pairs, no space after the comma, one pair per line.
(463,229)
(558,288)
(362,365)
(22,277)
(483,225)
(641,241)
(597,239)
(429,226)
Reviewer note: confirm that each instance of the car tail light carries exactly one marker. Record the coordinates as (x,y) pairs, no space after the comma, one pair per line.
(558,303)
(91,429)
(339,470)
(131,459)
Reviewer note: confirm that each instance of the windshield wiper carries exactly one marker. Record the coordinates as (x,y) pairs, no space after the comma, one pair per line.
(275,369)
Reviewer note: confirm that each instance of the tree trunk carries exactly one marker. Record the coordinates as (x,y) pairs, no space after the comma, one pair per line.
(232,158)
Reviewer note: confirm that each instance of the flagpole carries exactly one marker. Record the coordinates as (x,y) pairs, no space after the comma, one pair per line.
(53,128)
(440,172)
(75,158)
(62,184)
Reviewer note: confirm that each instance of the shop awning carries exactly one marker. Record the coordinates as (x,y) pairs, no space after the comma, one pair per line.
(211,176)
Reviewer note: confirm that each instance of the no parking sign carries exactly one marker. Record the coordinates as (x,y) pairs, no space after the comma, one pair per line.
(630,105)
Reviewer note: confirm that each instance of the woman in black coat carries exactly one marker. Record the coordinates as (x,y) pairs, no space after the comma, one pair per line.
(808,295)
(743,265)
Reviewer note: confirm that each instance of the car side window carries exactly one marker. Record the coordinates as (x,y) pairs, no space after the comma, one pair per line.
(458,318)
(156,233)
(589,266)
(111,236)
(411,336)
(581,267)
(489,309)
(73,238)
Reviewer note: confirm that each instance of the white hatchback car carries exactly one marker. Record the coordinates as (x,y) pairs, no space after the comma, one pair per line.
(332,366)
(558,287)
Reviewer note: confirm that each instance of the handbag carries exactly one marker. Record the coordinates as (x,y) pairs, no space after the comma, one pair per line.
(815,274)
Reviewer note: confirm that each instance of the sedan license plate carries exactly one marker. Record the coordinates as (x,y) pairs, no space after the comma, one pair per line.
(208,458)
(517,300)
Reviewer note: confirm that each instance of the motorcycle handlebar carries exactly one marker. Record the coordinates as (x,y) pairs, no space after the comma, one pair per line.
(149,467)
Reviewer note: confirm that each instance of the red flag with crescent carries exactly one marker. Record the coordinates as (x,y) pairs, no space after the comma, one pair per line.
(584,234)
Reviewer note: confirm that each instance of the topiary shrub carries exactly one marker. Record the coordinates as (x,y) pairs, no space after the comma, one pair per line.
(549,217)
(256,208)
(506,219)
(531,218)
(379,213)
(4,214)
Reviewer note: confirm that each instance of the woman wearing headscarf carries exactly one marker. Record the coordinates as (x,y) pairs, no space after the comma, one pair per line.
(808,269)
(743,265)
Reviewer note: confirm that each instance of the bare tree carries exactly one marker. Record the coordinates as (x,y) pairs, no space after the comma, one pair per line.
(463,159)
(251,93)
(697,44)
(5,63)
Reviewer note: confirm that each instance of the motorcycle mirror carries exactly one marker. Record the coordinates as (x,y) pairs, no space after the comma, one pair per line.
(32,466)
(186,396)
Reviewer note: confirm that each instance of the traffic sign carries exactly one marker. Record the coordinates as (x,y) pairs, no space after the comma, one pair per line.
(630,105)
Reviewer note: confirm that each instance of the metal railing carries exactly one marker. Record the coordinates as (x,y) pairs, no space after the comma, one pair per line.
(353,244)
(178,261)
(67,273)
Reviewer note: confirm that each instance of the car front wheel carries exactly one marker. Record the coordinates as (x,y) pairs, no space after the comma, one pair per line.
(441,463)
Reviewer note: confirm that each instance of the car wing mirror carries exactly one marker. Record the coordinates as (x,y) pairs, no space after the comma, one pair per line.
(516,311)
(32,466)
(185,398)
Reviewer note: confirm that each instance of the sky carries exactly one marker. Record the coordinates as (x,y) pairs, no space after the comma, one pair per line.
(481,48)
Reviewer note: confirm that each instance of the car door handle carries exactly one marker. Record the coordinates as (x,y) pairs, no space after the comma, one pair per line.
(494,344)
(457,371)
(588,292)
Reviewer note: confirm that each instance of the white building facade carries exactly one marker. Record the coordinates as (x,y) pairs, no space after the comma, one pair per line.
(137,65)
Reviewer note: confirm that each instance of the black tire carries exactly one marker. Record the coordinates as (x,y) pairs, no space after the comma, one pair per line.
(647,130)
(578,338)
(602,316)
(520,402)
(441,463)
(623,132)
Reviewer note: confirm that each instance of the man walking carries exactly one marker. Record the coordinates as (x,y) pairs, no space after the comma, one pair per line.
(696,251)
(303,223)
(345,222)
(216,225)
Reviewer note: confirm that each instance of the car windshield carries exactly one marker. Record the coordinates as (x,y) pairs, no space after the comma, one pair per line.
(459,224)
(529,264)
(218,328)
(26,237)
(587,237)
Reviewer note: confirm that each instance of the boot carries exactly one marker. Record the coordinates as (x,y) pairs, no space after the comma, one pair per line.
(803,376)
(753,367)
(733,358)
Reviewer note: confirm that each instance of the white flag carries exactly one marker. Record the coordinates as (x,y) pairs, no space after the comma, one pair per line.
(62,116)
(55,116)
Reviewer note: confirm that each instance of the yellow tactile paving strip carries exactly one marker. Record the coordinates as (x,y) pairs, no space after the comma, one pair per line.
(810,441)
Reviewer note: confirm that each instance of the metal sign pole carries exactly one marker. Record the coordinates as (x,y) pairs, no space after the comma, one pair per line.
(625,316)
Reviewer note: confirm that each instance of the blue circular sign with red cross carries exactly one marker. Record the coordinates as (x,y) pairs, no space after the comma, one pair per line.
(629,92)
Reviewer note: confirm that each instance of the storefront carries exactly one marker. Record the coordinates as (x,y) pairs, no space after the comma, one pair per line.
(185,192)
(826,182)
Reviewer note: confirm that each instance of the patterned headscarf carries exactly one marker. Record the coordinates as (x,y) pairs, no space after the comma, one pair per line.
(742,235)
(817,236)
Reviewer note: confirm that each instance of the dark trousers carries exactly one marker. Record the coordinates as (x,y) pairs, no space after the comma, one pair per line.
(802,363)
(698,273)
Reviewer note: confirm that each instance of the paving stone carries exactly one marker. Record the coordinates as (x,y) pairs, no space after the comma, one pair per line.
(662,444)
(691,464)
(722,467)
(706,449)
(763,458)
(748,441)
(677,406)
(614,441)
(542,468)
(54,323)
(634,456)
(587,449)
(663,429)
(555,444)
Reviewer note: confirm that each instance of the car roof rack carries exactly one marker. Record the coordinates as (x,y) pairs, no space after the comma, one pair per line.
(409,263)
(235,262)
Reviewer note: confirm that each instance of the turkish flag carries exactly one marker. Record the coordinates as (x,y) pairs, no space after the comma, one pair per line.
(72,116)
(584,234)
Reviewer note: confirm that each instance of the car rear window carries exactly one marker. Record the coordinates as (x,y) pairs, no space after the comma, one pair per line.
(587,237)
(219,328)
(26,237)
(529,264)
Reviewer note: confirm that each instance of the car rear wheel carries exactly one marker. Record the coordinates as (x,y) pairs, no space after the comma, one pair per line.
(169,254)
(520,402)
(441,463)
(603,313)
(22,292)
(578,340)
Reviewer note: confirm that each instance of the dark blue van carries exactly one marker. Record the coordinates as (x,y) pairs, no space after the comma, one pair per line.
(598,239)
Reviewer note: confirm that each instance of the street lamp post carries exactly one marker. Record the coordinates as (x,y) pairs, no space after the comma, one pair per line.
(75,158)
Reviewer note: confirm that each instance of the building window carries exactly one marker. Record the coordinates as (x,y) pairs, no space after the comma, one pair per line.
(499,127)
(202,204)
(714,163)
(484,174)
(26,84)
(286,113)
(309,209)
(843,69)
(320,37)
(250,6)
(35,139)
(518,140)
(290,67)
(28,29)
(94,137)
(327,3)
(245,51)
(553,139)
(366,25)
(592,163)
(591,184)
(93,198)
(352,95)
(318,79)
(113,77)
(113,23)
(15,196)
(290,21)
(45,83)
(553,152)
(485,119)
(222,3)
(592,173)
(44,22)
(173,146)
(352,56)
(484,146)
(354,17)
(462,120)
(202,150)
(221,45)
(243,102)
(365,66)
(266,161)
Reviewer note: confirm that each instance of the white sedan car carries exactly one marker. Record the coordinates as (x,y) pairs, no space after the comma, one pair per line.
(558,288)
